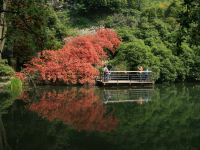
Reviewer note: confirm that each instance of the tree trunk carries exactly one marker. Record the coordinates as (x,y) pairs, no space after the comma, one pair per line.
(3,27)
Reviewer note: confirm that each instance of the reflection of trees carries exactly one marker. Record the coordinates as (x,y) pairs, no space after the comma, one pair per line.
(27,131)
(3,140)
(7,100)
(170,121)
(80,108)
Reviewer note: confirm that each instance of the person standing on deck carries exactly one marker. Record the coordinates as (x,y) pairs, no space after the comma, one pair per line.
(140,69)
(146,74)
(106,72)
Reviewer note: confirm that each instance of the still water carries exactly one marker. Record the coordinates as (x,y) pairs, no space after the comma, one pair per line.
(163,117)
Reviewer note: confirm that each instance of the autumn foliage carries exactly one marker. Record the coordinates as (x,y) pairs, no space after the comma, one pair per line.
(79,108)
(76,62)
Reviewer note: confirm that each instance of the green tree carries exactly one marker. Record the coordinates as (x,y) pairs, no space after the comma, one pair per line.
(136,53)
(190,20)
(33,26)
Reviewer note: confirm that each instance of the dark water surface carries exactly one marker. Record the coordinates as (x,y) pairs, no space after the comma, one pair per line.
(164,117)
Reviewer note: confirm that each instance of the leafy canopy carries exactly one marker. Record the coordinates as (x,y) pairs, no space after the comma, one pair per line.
(75,62)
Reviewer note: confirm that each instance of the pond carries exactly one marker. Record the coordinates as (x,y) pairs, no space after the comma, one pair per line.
(113,118)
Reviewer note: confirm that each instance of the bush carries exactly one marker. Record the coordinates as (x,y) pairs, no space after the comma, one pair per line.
(6,70)
(15,87)
(75,62)
(137,53)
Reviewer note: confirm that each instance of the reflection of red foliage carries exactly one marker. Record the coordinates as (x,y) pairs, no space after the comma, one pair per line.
(81,109)
(75,62)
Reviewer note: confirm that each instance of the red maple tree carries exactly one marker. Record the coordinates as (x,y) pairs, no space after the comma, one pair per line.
(76,62)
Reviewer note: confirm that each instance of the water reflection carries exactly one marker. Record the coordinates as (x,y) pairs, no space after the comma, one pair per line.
(79,107)
(121,95)
(3,139)
(170,119)
(7,99)
(83,108)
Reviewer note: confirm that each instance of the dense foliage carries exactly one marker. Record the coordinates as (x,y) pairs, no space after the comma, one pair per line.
(6,70)
(161,35)
(157,38)
(32,26)
(75,62)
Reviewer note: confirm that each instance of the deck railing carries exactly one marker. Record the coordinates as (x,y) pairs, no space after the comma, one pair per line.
(127,76)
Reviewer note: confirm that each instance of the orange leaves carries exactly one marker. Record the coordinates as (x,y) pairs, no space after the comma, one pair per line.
(108,39)
(20,75)
(74,63)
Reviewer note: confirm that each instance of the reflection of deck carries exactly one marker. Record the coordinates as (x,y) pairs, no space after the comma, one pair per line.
(139,96)
(126,78)
(125,101)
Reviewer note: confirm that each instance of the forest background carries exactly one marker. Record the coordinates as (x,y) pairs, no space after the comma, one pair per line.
(161,35)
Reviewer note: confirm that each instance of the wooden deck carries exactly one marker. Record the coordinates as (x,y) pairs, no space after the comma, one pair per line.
(126,78)
(124,82)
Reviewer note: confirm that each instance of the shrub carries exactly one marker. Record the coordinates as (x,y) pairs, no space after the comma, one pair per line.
(14,88)
(6,70)
(75,62)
